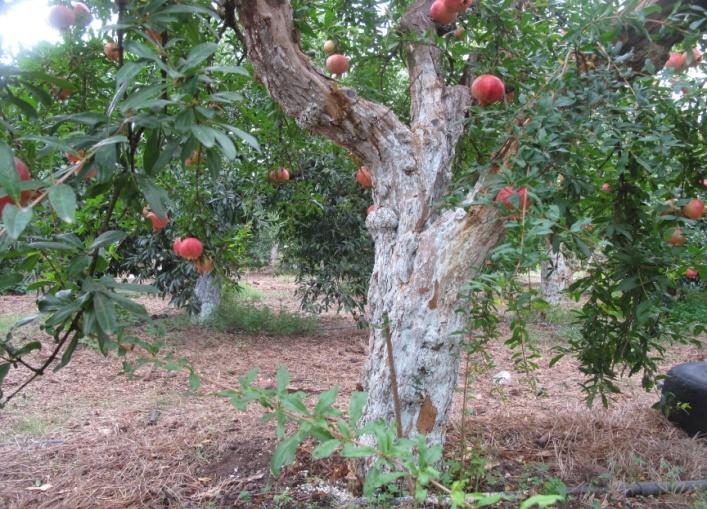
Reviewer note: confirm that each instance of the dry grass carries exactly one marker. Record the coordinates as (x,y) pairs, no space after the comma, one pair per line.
(89,437)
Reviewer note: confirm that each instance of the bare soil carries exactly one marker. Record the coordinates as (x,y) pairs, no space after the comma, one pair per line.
(89,436)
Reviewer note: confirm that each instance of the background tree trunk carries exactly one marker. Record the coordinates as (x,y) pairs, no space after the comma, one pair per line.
(555,275)
(208,293)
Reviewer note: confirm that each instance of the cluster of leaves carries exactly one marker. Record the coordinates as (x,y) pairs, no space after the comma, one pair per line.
(130,125)
(580,124)
(393,459)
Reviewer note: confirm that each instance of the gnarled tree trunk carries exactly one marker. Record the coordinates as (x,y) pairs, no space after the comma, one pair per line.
(555,274)
(422,253)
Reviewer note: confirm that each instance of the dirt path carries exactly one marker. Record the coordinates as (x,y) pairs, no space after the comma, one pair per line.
(90,436)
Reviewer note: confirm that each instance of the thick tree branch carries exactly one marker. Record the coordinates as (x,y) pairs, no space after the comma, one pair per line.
(370,131)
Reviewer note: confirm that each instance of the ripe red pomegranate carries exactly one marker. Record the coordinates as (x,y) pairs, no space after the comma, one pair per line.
(487,89)
(157,222)
(691,273)
(25,196)
(337,64)
(112,51)
(363,177)
(61,17)
(63,94)
(440,14)
(283,175)
(191,248)
(605,187)
(694,209)
(329,47)
(177,247)
(370,209)
(677,238)
(677,62)
(505,194)
(82,14)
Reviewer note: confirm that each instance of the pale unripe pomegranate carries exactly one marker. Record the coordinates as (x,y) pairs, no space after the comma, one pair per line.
(61,17)
(440,14)
(488,89)
(337,64)
(363,177)
(694,209)
(191,248)
(25,196)
(112,51)
(329,47)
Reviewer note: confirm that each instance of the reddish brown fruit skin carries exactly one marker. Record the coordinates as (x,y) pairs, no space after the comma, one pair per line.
(61,17)
(363,177)
(505,194)
(112,51)
(191,248)
(677,239)
(694,209)
(457,6)
(440,14)
(370,210)
(605,187)
(283,175)
(677,62)
(63,94)
(337,64)
(82,14)
(459,32)
(691,273)
(177,247)
(488,89)
(157,222)
(25,196)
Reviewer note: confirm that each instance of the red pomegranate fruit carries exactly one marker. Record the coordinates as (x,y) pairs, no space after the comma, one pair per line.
(363,177)
(488,89)
(191,248)
(337,64)
(25,196)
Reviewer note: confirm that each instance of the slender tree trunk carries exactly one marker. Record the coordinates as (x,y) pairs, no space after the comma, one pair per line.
(208,293)
(555,274)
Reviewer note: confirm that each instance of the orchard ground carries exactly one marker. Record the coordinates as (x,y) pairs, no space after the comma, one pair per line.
(90,436)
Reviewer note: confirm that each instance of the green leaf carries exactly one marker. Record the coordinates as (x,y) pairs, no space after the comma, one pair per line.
(16,219)
(285,453)
(194,381)
(68,353)
(4,370)
(109,237)
(110,141)
(541,501)
(326,400)
(325,449)
(356,404)
(142,51)
(9,179)
(185,120)
(229,69)
(23,106)
(136,101)
(204,134)
(283,378)
(152,149)
(104,309)
(9,280)
(63,199)
(198,54)
(247,138)
(352,451)
(227,146)
(156,197)
(127,73)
